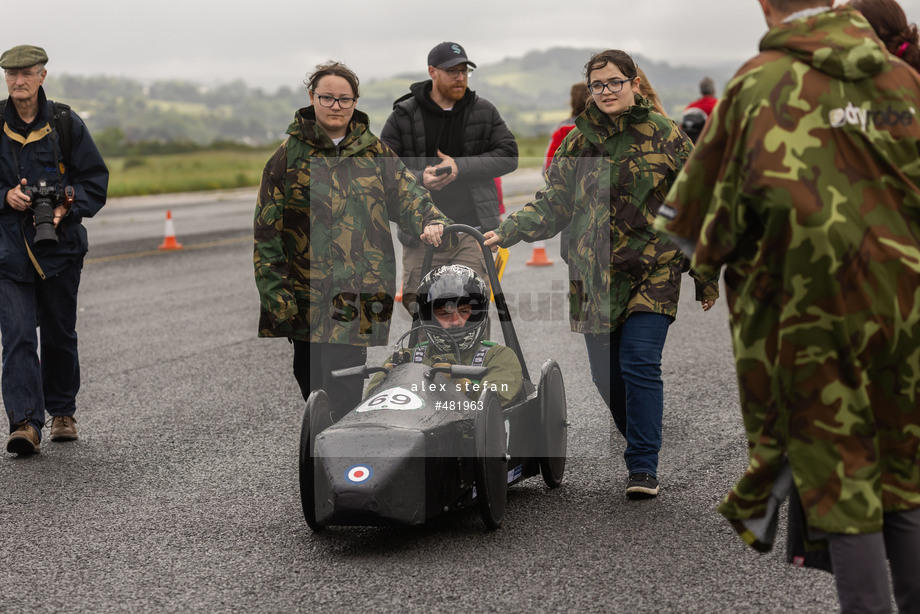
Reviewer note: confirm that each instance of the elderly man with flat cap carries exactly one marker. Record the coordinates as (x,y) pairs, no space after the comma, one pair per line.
(51,177)
(456,143)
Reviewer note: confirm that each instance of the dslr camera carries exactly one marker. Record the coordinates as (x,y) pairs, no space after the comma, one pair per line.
(44,199)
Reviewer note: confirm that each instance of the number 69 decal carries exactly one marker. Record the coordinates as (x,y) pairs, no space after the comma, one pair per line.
(393,398)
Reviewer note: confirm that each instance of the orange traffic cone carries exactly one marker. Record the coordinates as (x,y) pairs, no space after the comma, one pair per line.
(539,255)
(169,240)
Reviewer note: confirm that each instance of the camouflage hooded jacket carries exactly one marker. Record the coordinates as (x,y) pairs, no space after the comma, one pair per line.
(806,185)
(324,260)
(608,179)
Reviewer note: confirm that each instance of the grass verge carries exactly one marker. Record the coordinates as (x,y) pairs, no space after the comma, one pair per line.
(225,169)
(188,172)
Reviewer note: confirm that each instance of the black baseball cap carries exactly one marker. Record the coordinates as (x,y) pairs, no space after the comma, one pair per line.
(448,55)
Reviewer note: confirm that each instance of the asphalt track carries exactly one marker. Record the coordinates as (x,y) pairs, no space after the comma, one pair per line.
(181,494)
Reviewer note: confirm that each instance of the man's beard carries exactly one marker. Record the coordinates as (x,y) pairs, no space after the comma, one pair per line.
(447,92)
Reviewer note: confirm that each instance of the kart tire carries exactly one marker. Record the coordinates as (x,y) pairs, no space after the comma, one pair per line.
(316,418)
(491,461)
(554,423)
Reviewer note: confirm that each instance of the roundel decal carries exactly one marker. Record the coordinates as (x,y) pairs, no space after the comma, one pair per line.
(359,474)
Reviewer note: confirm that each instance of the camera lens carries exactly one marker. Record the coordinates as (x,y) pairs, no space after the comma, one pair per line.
(44,221)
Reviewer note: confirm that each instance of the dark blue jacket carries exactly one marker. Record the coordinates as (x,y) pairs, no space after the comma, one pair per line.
(32,157)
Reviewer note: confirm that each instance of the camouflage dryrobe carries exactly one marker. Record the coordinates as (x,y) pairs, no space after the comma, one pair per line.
(324,260)
(805,185)
(608,179)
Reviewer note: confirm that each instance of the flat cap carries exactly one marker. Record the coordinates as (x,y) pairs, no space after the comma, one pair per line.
(23,56)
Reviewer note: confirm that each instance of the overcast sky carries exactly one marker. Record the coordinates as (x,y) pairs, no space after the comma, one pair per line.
(270,43)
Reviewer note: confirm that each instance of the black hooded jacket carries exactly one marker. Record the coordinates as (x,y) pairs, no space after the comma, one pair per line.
(487,147)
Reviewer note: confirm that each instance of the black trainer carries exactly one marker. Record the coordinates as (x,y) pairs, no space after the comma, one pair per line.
(642,486)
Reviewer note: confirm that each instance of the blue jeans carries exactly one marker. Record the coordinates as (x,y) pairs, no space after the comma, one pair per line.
(626,368)
(31,385)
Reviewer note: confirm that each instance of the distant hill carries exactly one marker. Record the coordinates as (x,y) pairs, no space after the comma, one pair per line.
(530,91)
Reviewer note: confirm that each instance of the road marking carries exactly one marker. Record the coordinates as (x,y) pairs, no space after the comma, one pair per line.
(157,252)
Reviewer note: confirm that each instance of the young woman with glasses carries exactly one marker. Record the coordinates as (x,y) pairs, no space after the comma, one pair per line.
(608,179)
(324,259)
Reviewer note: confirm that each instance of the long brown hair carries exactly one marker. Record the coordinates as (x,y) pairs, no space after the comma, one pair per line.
(579,98)
(646,89)
(890,24)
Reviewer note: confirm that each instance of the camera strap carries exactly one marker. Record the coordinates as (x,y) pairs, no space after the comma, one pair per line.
(38,268)
(57,162)
(62,123)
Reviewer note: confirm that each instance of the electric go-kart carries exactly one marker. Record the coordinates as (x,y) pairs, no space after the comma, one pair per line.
(417,448)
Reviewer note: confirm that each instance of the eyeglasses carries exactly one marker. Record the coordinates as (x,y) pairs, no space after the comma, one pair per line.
(615,86)
(345,102)
(453,73)
(13,74)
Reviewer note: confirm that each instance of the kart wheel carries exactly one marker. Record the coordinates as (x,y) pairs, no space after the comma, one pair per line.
(316,417)
(553,418)
(491,461)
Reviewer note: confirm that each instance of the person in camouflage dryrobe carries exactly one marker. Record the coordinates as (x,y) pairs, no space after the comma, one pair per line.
(607,179)
(806,186)
(324,260)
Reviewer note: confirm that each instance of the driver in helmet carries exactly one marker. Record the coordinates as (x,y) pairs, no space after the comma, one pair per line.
(454,301)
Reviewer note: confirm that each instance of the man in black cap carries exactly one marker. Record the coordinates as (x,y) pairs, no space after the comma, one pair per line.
(47,152)
(456,143)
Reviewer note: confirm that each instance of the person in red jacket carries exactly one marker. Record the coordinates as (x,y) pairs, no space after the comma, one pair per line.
(708,101)
(694,117)
(578,98)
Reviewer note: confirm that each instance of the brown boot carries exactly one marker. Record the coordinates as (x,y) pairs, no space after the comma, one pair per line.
(63,428)
(24,440)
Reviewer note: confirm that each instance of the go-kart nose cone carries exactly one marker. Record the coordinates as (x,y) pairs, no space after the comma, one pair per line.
(370,473)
